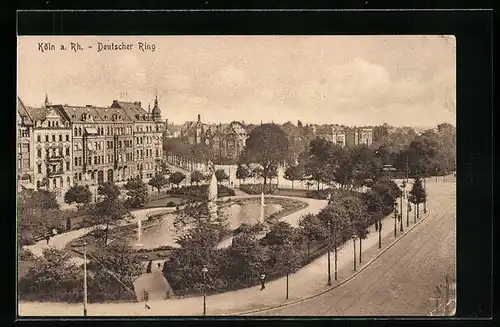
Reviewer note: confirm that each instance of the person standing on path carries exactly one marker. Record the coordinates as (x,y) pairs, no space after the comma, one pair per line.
(262,281)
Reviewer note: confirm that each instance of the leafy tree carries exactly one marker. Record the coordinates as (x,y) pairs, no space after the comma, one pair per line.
(267,145)
(281,233)
(247,257)
(176,178)
(109,191)
(315,160)
(158,181)
(293,173)
(53,277)
(165,169)
(312,229)
(137,193)
(114,269)
(284,259)
(337,215)
(197,177)
(78,194)
(242,172)
(221,175)
(107,212)
(37,213)
(388,191)
(44,199)
(357,213)
(417,193)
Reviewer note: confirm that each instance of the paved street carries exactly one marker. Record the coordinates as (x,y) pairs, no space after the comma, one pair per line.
(403,279)
(306,282)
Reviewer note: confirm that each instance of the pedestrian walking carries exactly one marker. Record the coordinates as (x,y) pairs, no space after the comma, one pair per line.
(47,238)
(262,281)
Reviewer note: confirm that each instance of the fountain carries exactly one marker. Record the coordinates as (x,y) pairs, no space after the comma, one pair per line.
(139,232)
(212,193)
(262,207)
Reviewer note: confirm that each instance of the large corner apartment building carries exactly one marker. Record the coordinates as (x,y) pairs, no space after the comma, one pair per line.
(60,146)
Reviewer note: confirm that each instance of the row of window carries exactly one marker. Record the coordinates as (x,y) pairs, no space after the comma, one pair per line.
(39,138)
(126,144)
(149,153)
(23,132)
(52,152)
(53,182)
(147,128)
(145,166)
(39,168)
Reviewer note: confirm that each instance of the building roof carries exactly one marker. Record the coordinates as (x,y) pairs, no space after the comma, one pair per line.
(38,114)
(99,114)
(133,110)
(23,112)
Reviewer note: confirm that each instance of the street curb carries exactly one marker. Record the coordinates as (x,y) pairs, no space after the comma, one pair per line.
(283,305)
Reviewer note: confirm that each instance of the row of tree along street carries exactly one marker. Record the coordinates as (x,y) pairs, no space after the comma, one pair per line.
(283,249)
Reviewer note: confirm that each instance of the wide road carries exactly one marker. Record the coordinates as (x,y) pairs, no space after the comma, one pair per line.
(403,280)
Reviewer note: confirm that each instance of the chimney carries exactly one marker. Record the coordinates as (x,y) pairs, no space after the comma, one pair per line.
(199,118)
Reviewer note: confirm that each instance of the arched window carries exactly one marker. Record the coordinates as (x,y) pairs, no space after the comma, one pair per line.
(68,181)
(76,132)
(79,131)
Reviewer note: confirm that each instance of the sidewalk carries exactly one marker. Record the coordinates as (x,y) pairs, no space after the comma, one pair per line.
(309,280)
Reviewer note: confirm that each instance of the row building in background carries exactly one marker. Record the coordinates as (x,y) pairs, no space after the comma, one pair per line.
(61,145)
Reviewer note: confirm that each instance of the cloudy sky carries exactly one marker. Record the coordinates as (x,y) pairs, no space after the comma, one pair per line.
(352,80)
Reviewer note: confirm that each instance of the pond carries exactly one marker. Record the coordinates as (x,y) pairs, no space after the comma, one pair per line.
(164,232)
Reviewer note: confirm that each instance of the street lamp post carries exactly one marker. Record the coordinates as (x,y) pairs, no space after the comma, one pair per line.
(287,272)
(329,282)
(354,243)
(425,191)
(204,270)
(380,233)
(85,279)
(335,251)
(395,219)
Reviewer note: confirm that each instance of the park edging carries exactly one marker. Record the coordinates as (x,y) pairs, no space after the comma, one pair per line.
(283,305)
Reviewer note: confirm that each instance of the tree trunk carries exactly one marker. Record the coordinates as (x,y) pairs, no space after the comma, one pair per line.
(418,211)
(292,184)
(106,234)
(318,184)
(360,244)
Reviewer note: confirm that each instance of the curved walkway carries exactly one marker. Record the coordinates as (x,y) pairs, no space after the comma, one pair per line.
(309,280)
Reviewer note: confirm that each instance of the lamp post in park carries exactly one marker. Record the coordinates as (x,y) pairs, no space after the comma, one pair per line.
(204,270)
(85,278)
(354,243)
(329,282)
(395,218)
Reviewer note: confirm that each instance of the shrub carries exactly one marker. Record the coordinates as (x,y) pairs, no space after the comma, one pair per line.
(171,204)
(257,188)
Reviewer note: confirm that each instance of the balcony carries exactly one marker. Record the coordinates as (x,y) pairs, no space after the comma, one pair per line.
(54,173)
(57,157)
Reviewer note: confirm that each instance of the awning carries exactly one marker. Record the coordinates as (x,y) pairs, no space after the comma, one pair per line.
(28,186)
(91,130)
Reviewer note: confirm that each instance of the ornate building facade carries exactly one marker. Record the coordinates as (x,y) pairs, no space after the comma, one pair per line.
(67,145)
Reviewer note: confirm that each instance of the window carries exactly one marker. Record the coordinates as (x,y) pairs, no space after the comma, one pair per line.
(76,177)
(68,181)
(79,131)
(76,161)
(67,138)
(39,166)
(46,138)
(67,165)
(95,163)
(67,151)
(120,144)
(60,138)
(157,152)
(53,138)
(39,153)
(80,161)
(92,175)
(75,132)
(102,159)
(38,138)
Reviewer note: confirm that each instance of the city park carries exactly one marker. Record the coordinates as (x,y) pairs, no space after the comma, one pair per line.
(217,240)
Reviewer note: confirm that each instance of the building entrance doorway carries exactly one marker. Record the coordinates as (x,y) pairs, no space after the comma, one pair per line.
(110,175)
(100,177)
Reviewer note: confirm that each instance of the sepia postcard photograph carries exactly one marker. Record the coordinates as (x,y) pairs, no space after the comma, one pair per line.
(266,175)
